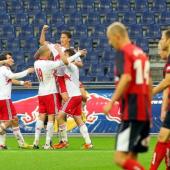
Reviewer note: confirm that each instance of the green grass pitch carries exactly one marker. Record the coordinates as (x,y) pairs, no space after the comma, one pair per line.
(72,158)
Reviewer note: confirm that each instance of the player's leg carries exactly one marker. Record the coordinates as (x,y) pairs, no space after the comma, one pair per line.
(132,138)
(18,135)
(49,131)
(84,132)
(62,127)
(167,156)
(162,144)
(38,127)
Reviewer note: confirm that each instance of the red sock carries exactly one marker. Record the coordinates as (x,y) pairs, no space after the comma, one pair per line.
(158,156)
(167,156)
(131,164)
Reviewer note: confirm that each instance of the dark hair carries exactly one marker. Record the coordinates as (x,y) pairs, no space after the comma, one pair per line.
(167,34)
(67,33)
(70,51)
(4,54)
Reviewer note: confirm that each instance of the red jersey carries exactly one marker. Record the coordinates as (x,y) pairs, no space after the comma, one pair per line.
(166,70)
(136,104)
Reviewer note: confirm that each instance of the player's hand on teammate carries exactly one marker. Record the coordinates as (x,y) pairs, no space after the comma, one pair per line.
(107,107)
(45,28)
(65,97)
(31,70)
(27,84)
(9,62)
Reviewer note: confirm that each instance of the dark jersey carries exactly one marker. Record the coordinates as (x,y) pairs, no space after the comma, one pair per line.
(135,102)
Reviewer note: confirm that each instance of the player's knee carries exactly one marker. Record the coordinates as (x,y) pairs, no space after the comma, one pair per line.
(163,138)
(42,117)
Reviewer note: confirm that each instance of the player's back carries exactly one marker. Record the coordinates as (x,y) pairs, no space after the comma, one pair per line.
(136,99)
(5,84)
(72,80)
(45,75)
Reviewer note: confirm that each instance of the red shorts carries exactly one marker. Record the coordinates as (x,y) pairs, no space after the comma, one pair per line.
(73,106)
(7,110)
(49,104)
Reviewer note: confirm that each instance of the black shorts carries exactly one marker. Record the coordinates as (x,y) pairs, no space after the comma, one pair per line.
(133,136)
(166,122)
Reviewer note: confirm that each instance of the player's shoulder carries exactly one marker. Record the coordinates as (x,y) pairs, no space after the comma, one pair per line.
(4,68)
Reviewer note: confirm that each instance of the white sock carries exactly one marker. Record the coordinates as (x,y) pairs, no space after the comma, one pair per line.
(49,133)
(63,132)
(38,127)
(85,134)
(3,139)
(18,135)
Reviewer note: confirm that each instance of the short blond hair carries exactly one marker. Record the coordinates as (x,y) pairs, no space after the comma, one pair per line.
(117,27)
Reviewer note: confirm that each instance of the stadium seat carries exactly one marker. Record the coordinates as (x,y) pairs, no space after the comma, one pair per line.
(29,44)
(159,5)
(26,31)
(33,6)
(40,19)
(7,31)
(141,6)
(69,5)
(75,18)
(80,30)
(129,18)
(165,17)
(93,19)
(135,30)
(50,6)
(123,5)
(20,19)
(3,6)
(57,18)
(111,17)
(14,6)
(87,6)
(4,18)
(153,31)
(11,44)
(148,18)
(104,6)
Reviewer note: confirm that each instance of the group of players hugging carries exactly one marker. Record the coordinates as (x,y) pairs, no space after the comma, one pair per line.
(61,94)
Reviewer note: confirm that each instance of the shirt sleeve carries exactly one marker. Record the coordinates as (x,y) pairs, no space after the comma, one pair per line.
(54,64)
(53,50)
(8,73)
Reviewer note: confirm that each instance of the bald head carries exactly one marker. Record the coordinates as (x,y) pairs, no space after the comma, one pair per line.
(117,28)
(43,51)
(117,35)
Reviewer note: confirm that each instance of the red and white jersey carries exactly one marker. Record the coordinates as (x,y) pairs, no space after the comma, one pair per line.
(45,70)
(6,76)
(60,71)
(72,80)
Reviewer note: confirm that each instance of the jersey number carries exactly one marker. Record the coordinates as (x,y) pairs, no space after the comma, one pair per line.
(142,75)
(39,74)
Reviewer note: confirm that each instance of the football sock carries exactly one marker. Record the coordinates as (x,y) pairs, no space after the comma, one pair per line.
(159,154)
(131,164)
(85,134)
(18,135)
(38,127)
(49,132)
(63,132)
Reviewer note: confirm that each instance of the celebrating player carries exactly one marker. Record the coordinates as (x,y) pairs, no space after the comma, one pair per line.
(134,90)
(74,104)
(47,95)
(8,115)
(162,148)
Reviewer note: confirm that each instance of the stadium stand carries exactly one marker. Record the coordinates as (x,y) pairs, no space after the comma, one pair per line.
(21,22)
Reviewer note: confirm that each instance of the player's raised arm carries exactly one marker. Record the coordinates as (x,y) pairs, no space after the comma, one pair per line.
(43,34)
(22,74)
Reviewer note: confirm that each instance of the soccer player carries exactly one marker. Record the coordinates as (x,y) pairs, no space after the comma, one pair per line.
(74,104)
(162,148)
(47,95)
(134,90)
(8,115)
